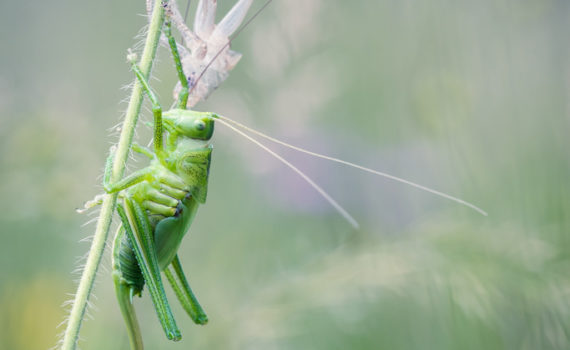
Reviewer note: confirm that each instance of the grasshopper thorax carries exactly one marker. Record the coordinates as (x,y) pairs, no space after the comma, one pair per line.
(188,150)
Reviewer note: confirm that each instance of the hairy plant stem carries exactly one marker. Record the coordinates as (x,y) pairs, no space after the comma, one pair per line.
(85,286)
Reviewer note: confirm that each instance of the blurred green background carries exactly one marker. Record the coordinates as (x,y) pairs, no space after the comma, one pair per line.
(469,97)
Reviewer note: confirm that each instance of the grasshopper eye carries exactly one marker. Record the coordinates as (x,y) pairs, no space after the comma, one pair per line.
(199,125)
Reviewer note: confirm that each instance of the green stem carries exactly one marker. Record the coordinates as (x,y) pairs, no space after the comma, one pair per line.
(79,307)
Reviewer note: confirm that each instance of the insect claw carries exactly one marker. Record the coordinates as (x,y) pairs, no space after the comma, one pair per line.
(202,320)
(132,57)
(179,210)
(97,200)
(174,335)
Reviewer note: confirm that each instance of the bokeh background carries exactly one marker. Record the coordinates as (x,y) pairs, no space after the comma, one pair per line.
(469,97)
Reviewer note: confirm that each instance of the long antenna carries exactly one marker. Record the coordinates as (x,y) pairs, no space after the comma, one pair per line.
(313,184)
(232,37)
(187,10)
(360,167)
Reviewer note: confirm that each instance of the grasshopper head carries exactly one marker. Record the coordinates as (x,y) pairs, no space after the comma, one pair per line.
(191,124)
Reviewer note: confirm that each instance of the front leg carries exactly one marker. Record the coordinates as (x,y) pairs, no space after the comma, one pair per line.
(183,95)
(166,181)
(126,182)
(142,150)
(156,108)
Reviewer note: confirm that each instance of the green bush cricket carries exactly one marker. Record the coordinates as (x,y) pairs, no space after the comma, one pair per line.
(159,202)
